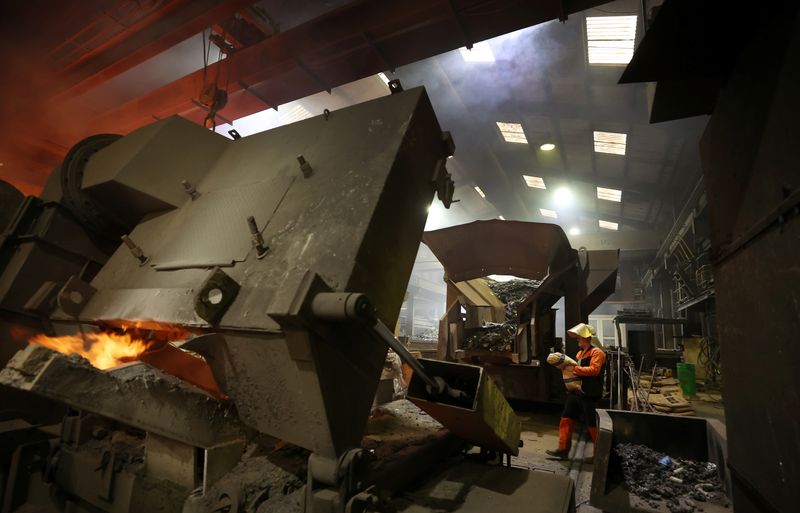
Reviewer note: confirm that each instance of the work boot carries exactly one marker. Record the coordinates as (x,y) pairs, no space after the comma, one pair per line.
(564,439)
(559,454)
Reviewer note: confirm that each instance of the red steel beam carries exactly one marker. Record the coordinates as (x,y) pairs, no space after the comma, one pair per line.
(331,50)
(327,51)
(174,22)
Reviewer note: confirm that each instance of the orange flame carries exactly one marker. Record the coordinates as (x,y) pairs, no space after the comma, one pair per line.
(103,350)
(107,349)
(127,341)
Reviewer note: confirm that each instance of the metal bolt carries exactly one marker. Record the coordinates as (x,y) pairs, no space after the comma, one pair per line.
(305,166)
(135,250)
(190,189)
(256,238)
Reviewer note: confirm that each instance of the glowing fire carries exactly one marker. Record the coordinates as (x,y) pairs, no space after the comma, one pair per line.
(103,350)
(127,341)
(107,349)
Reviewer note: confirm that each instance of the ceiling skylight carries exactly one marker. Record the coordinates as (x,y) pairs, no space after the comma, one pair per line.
(295,114)
(610,142)
(608,225)
(609,194)
(610,39)
(534,181)
(512,132)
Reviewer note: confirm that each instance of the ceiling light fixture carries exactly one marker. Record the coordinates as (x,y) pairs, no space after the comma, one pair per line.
(610,39)
(534,181)
(610,142)
(574,231)
(608,225)
(563,196)
(547,147)
(480,192)
(501,218)
(512,132)
(609,194)
(435,217)
(548,213)
(480,52)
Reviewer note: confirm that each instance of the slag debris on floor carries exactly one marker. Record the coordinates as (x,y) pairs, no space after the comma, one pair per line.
(656,477)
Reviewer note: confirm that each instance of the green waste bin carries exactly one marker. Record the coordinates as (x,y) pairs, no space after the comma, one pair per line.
(686,377)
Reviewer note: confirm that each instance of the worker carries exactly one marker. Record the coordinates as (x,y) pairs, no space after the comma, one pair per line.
(581,406)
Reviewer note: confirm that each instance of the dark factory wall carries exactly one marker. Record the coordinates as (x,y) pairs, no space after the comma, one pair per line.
(751,159)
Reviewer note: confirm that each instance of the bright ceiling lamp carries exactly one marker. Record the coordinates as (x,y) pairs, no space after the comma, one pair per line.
(609,194)
(480,192)
(480,52)
(563,196)
(435,217)
(610,39)
(547,147)
(610,142)
(574,231)
(534,181)
(512,132)
(608,225)
(548,213)
(501,218)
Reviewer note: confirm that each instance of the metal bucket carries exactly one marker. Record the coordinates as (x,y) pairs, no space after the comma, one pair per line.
(488,421)
(680,437)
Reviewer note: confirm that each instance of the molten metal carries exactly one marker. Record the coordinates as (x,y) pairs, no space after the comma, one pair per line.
(103,350)
(128,341)
(107,349)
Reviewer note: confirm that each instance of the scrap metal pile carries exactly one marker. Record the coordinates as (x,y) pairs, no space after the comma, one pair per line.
(500,336)
(492,336)
(428,335)
(512,293)
(655,477)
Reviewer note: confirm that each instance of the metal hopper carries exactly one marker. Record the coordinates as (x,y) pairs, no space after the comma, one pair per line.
(535,251)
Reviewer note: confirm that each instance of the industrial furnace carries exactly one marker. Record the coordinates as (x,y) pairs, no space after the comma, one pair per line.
(206,321)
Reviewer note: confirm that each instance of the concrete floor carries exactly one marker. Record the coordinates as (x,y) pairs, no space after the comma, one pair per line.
(540,432)
(709,406)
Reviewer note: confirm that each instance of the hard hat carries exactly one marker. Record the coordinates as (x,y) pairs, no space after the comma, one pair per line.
(581,330)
